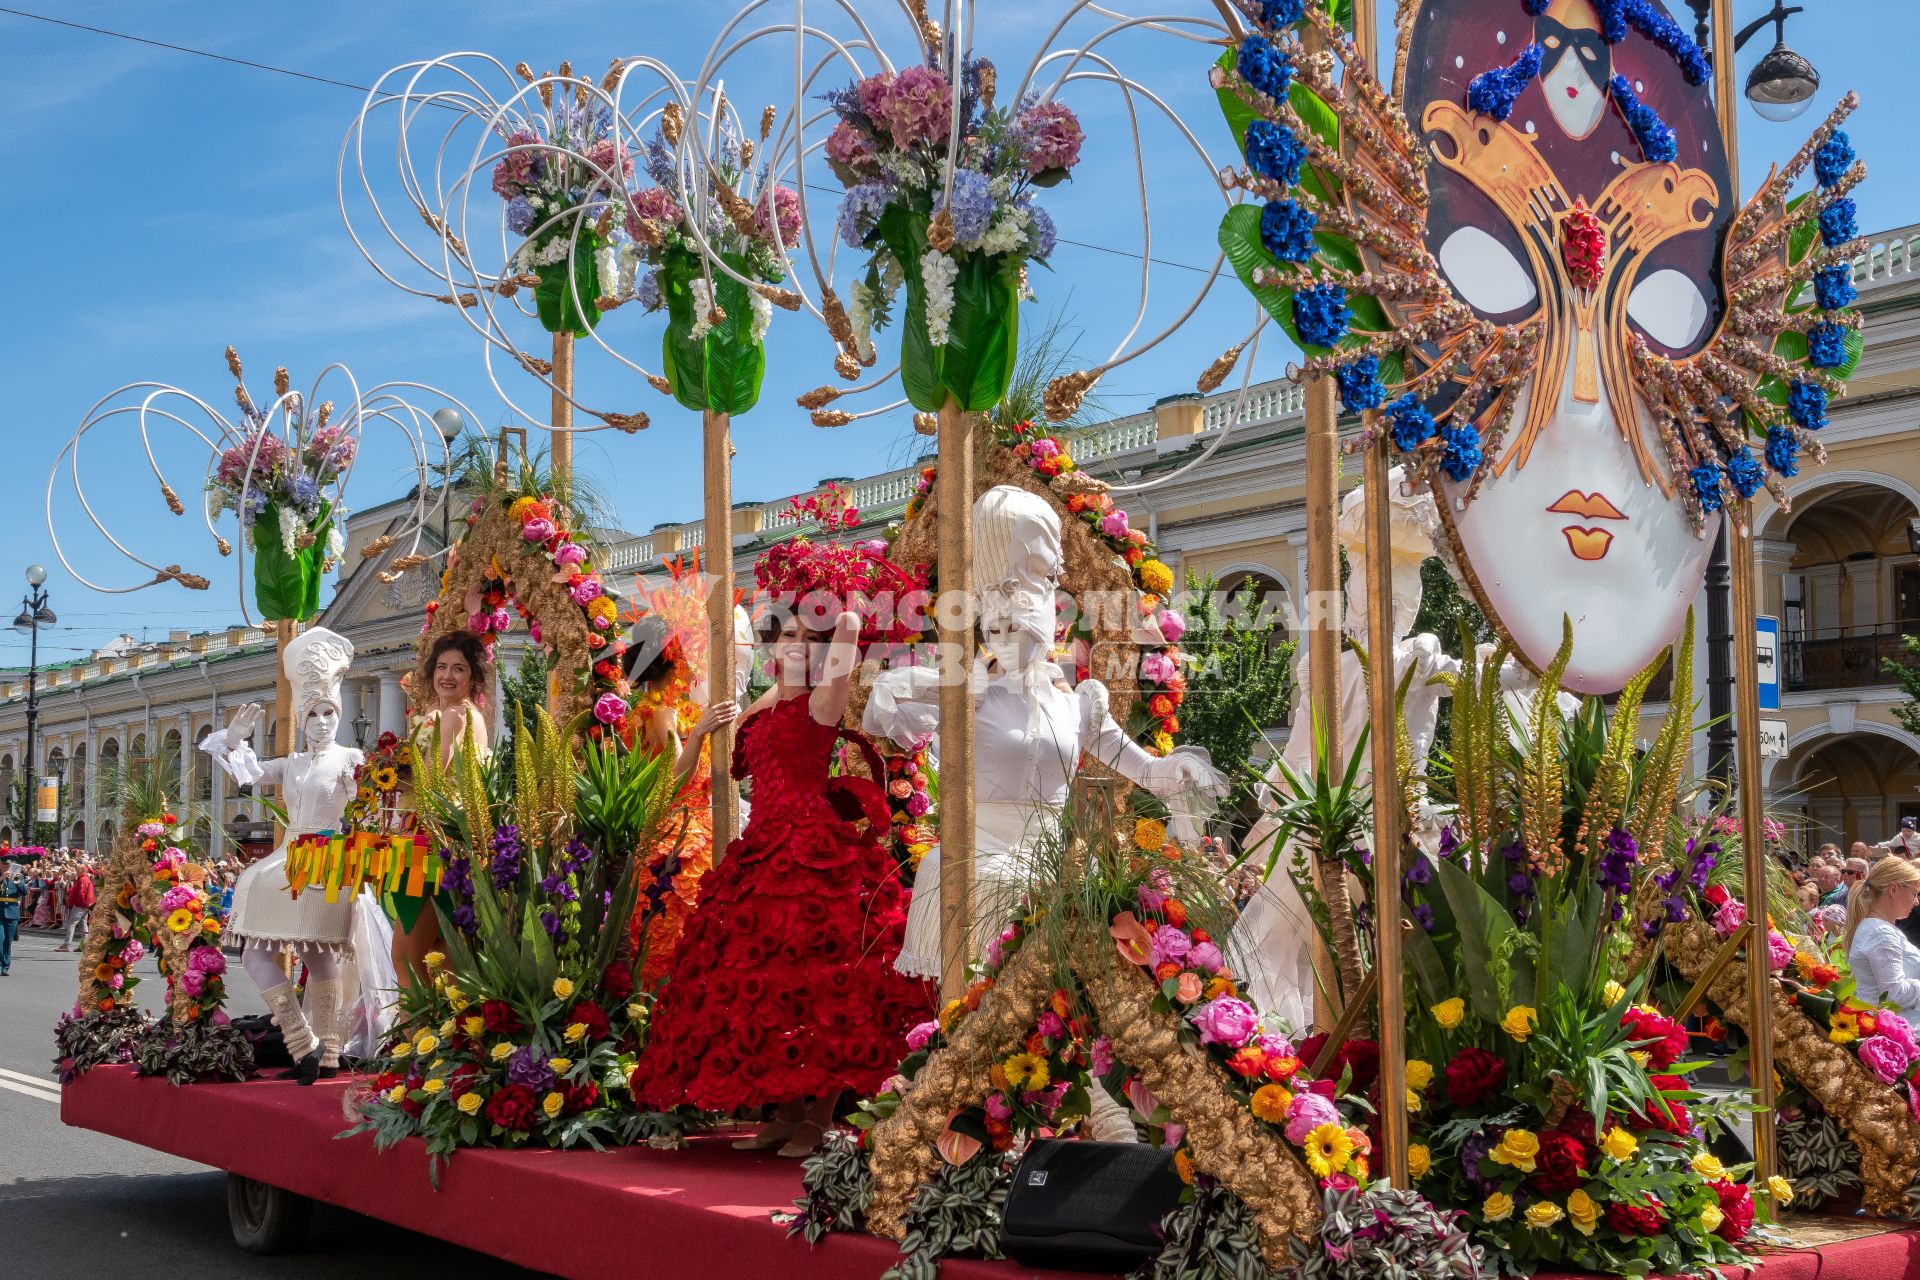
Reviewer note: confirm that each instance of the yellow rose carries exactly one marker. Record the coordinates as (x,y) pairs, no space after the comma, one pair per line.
(469,1104)
(453,994)
(1517,1150)
(1781,1190)
(576,1031)
(1619,1144)
(1419,1160)
(637,1011)
(1711,1218)
(1583,1211)
(1413,1100)
(1519,1022)
(559,1065)
(502,1051)
(1614,992)
(426,1042)
(1640,1058)
(446,1029)
(1708,1166)
(435,959)
(1449,1013)
(1497,1207)
(1419,1074)
(397,1094)
(401,1051)
(562,988)
(473,1027)
(1542,1214)
(552,1103)
(434,1085)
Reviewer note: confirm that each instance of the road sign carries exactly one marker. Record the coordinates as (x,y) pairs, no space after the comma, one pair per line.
(1773,739)
(1766,643)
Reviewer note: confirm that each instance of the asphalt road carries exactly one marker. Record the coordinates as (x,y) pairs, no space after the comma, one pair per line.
(75,1203)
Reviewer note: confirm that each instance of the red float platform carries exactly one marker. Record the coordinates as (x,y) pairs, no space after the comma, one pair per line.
(587,1214)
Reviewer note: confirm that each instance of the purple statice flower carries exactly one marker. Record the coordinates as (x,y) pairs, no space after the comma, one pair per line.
(971,206)
(528,1066)
(519,215)
(860,208)
(507,856)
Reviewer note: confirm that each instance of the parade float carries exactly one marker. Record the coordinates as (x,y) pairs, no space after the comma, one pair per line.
(1521,265)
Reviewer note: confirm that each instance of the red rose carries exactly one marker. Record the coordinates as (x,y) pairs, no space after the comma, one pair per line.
(1668,1039)
(1473,1075)
(592,1017)
(384,1082)
(1635,1219)
(462,1079)
(579,1096)
(512,1108)
(617,980)
(1716,894)
(499,1017)
(1561,1164)
(1736,1203)
(1657,1118)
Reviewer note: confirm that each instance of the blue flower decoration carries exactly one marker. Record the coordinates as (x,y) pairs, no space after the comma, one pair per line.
(1320,315)
(1615,15)
(1743,471)
(1706,486)
(1833,287)
(1833,158)
(1462,456)
(1360,386)
(1409,422)
(1273,152)
(1783,451)
(1807,405)
(1264,67)
(1655,136)
(1837,225)
(1281,13)
(1827,345)
(1286,229)
(1494,92)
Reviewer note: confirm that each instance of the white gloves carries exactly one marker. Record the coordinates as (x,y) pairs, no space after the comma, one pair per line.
(231,749)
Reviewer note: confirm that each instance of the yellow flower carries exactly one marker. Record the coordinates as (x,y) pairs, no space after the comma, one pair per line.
(386,778)
(1619,1144)
(1449,1013)
(502,1051)
(1497,1207)
(426,1042)
(1328,1150)
(1419,1160)
(576,1031)
(1781,1190)
(446,1028)
(1583,1211)
(1846,1026)
(552,1103)
(1711,1218)
(521,509)
(955,1010)
(1519,1022)
(1640,1058)
(397,1094)
(562,988)
(469,1104)
(1270,1103)
(401,1050)
(181,920)
(210,926)
(1517,1149)
(1149,835)
(559,1065)
(1026,1071)
(1163,743)
(1614,992)
(1413,1100)
(435,959)
(1708,1166)
(637,1011)
(1542,1214)
(473,1027)
(1419,1074)
(434,1085)
(1156,577)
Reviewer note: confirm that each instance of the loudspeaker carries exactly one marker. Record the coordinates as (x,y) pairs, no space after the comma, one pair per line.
(1088,1206)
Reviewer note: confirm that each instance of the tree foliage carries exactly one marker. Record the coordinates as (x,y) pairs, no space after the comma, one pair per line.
(1241,680)
(1906,670)
(524,692)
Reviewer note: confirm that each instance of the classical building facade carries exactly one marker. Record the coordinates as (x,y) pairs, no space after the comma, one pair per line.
(1841,572)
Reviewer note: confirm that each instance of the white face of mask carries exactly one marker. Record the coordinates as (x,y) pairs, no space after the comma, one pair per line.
(1012,630)
(322,727)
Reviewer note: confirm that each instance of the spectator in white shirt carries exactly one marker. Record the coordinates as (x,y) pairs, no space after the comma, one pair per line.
(1886,966)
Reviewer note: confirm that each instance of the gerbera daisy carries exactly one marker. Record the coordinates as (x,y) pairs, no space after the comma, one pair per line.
(180,921)
(1328,1150)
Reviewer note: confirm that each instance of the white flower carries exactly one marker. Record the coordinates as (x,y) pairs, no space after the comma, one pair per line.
(336,544)
(702,304)
(762,315)
(938,272)
(860,316)
(892,274)
(290,524)
(1008,233)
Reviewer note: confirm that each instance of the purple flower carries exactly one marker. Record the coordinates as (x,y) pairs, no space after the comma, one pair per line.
(1472,1152)
(1419,871)
(550,920)
(1423,916)
(1052,135)
(1449,842)
(1520,885)
(971,206)
(860,208)
(528,1066)
(507,856)
(519,215)
(1041,233)
(1308,1112)
(1205,957)
(647,294)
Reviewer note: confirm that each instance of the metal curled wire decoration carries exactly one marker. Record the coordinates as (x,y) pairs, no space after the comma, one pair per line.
(173,425)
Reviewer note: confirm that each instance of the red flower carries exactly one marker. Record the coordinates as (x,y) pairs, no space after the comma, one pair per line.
(1668,1037)
(499,1017)
(384,1082)
(1361,1056)
(592,1017)
(1635,1219)
(462,1079)
(1716,894)
(579,1096)
(1473,1075)
(1561,1164)
(1657,1118)
(618,980)
(1736,1203)
(512,1108)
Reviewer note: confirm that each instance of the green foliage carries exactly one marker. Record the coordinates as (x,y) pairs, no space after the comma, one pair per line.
(1240,680)
(522,695)
(976,362)
(1906,670)
(720,370)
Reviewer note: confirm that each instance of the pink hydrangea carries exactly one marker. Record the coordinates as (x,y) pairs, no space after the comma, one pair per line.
(919,107)
(1896,1028)
(1884,1058)
(651,205)
(1308,1112)
(605,155)
(515,173)
(1170,946)
(1173,625)
(786,210)
(871,94)
(918,1036)
(1225,1020)
(848,149)
(1731,915)
(1053,136)
(1158,668)
(1779,951)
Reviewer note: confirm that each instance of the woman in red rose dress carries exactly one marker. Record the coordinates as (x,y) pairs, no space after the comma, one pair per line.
(782,992)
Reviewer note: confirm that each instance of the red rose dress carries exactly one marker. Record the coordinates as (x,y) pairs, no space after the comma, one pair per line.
(783,985)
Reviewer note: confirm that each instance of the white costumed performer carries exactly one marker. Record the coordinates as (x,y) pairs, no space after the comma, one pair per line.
(316,784)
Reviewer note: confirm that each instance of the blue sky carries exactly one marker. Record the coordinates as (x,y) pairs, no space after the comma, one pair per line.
(162,206)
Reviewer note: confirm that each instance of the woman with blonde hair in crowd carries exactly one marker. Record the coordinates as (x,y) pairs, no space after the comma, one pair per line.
(1886,966)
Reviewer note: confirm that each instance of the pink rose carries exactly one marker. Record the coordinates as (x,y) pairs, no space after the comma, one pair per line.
(609,708)
(899,788)
(117,981)
(1100,1056)
(537,529)
(481,622)
(1047,447)
(1206,957)
(1187,988)
(1339,1182)
(918,107)
(1225,1020)
(918,804)
(1779,951)
(917,1037)
(1884,1058)
(502,620)
(1169,945)
(1114,523)
(1157,667)
(1895,1028)
(1277,1047)
(1308,1112)
(1731,915)
(1173,625)
(568,554)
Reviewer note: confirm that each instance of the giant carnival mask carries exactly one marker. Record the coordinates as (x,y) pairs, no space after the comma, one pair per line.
(1523,269)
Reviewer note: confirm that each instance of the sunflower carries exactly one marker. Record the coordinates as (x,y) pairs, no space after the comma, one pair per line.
(1328,1150)
(180,921)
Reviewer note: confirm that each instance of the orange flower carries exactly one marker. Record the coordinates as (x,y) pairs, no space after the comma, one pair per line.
(1171,724)
(103,973)
(1282,1068)
(1217,987)
(1270,1103)
(1131,938)
(1249,1062)
(1189,988)
(1059,1003)
(1183,1165)
(106,1004)
(1164,970)
(975,992)
(1160,706)
(1175,911)
(997,1077)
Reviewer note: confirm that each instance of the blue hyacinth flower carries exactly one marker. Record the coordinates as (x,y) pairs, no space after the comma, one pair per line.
(1743,471)
(1281,13)
(1320,315)
(1837,223)
(1286,229)
(1274,153)
(1409,423)
(1267,69)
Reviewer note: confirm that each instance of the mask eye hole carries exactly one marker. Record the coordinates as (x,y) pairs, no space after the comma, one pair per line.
(1589,54)
(1551,42)
(1669,307)
(1485,273)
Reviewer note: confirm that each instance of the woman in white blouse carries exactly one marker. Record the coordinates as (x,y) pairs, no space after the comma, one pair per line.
(1886,967)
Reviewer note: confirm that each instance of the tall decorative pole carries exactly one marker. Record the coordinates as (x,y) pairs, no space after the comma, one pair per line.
(954,511)
(717,545)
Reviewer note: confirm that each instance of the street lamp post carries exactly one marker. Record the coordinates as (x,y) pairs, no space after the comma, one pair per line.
(34,614)
(448,422)
(59,801)
(360,726)
(1782,84)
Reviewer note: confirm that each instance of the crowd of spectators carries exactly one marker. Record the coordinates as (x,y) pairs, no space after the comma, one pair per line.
(62,884)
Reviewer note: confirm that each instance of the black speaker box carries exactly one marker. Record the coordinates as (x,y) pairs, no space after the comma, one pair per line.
(1088,1206)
